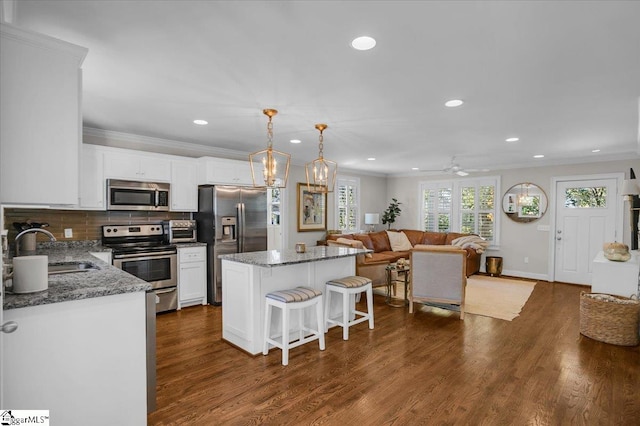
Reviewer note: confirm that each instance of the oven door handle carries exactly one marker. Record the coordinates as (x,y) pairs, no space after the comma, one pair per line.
(157,255)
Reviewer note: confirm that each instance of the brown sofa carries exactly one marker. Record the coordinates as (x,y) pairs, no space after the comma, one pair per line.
(373,265)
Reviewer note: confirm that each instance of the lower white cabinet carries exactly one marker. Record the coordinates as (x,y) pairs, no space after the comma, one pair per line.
(192,276)
(83,360)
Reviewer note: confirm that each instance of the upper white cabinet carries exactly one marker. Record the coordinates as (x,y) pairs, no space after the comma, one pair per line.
(223,171)
(40,112)
(184,186)
(92,183)
(140,166)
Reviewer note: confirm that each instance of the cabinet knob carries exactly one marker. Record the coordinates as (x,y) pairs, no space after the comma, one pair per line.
(9,327)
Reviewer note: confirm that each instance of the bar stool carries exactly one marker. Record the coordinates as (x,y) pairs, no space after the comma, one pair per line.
(348,286)
(287,300)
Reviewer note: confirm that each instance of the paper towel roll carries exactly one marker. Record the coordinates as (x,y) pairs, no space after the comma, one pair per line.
(30,274)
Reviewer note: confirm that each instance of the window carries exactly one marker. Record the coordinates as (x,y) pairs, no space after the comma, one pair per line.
(437,208)
(467,206)
(586,198)
(347,204)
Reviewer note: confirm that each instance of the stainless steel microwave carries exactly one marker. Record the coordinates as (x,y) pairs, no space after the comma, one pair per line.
(133,195)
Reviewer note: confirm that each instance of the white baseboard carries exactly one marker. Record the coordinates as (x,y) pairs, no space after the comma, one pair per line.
(523,274)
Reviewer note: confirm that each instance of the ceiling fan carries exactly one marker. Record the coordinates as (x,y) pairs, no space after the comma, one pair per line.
(454,168)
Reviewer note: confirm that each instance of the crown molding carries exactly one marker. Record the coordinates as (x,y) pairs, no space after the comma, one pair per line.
(42,41)
(115,139)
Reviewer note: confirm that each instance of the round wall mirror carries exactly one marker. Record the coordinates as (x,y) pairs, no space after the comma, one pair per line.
(524,202)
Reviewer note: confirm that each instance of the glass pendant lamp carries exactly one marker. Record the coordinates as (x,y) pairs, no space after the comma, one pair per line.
(321,173)
(269,168)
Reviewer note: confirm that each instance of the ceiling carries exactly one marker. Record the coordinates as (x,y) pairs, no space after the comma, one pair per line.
(564,77)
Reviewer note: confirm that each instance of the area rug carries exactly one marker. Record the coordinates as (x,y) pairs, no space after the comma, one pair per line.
(494,297)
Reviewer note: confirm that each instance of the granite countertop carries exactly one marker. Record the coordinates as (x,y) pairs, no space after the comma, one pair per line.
(273,258)
(106,281)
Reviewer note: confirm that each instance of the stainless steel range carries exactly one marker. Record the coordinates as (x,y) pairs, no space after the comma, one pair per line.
(142,250)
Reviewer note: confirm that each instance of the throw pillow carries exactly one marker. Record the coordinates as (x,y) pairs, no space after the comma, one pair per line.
(399,241)
(357,244)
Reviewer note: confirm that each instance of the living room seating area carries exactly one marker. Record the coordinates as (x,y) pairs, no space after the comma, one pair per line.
(390,246)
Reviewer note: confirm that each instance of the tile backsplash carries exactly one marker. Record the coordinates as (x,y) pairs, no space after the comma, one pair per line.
(86,224)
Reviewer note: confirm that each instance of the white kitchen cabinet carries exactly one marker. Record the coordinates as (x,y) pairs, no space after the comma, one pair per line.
(184,186)
(224,171)
(192,276)
(40,112)
(92,182)
(147,167)
(82,360)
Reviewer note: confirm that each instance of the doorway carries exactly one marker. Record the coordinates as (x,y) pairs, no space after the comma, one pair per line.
(587,214)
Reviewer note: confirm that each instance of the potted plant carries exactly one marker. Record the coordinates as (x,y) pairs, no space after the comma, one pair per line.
(393,211)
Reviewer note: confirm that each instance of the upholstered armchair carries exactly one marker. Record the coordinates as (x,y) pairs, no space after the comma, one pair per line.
(438,275)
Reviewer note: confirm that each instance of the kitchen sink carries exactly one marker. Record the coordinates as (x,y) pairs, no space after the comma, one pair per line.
(71,267)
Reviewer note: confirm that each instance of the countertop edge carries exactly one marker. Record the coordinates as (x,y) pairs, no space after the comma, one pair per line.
(277,258)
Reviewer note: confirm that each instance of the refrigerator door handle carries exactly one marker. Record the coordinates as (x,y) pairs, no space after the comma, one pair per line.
(241,219)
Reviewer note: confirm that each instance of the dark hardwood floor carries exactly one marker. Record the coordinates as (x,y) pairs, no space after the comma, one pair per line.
(425,368)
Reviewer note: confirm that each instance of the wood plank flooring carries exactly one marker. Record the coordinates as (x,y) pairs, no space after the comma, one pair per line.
(425,368)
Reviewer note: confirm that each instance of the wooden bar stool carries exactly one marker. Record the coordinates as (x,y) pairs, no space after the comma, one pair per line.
(348,286)
(287,300)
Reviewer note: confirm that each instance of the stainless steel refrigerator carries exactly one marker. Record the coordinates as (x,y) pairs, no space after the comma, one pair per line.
(230,219)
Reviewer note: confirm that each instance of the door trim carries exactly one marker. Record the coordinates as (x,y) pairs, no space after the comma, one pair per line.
(552,211)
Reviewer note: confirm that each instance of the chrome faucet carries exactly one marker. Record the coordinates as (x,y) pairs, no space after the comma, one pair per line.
(30,230)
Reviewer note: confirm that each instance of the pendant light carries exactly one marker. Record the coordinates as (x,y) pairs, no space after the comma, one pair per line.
(269,168)
(321,173)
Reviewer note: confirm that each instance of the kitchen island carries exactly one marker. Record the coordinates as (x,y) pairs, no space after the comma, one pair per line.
(248,277)
(80,349)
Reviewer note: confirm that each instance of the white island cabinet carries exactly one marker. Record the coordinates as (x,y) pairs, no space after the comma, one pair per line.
(248,277)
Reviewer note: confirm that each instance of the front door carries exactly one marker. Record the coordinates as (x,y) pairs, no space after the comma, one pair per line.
(586,212)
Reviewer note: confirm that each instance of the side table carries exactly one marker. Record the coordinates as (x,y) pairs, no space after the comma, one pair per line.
(404,269)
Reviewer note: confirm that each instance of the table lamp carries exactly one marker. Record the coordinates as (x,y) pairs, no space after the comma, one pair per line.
(371,219)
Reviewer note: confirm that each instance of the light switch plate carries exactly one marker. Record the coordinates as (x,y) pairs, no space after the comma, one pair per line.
(68,233)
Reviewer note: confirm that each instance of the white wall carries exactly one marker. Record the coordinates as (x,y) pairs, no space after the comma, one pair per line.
(517,240)
(372,200)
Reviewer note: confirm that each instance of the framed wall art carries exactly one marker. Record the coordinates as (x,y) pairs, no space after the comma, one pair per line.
(312,209)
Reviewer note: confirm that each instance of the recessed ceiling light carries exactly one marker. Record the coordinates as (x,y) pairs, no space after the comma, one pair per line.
(371,158)
(201,122)
(512,139)
(363,43)
(295,141)
(415,168)
(538,156)
(453,103)
(595,150)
